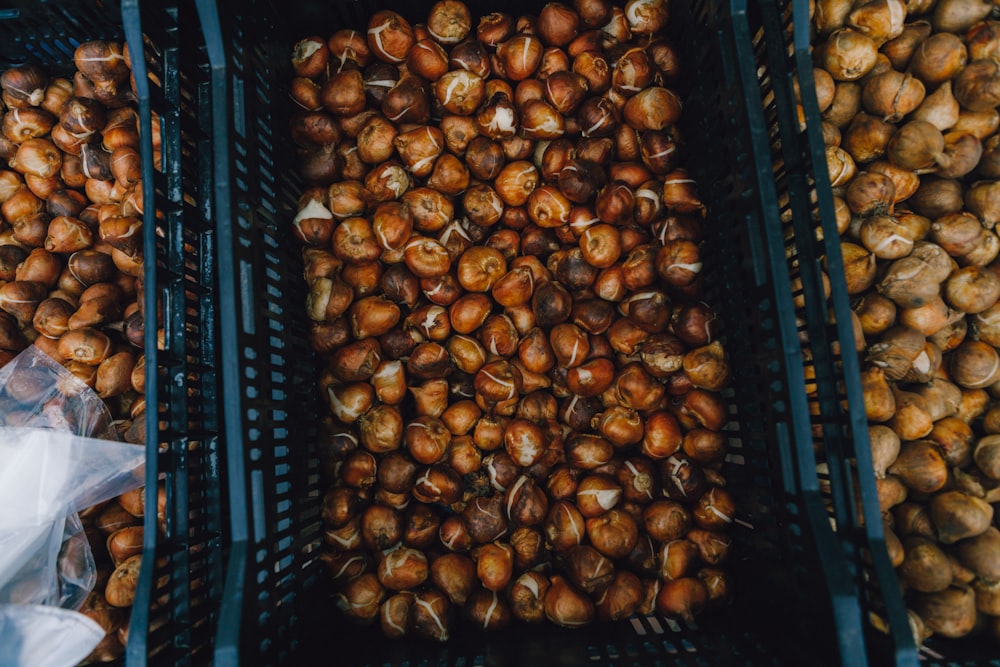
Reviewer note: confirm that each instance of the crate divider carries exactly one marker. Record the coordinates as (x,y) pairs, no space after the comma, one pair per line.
(230,616)
(273,566)
(183,438)
(866,534)
(137,649)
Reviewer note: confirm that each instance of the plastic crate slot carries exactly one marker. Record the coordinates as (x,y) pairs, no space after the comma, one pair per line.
(243,173)
(241,166)
(654,625)
(273,275)
(687,645)
(273,243)
(277,360)
(265,147)
(243,223)
(665,646)
(284,564)
(257,489)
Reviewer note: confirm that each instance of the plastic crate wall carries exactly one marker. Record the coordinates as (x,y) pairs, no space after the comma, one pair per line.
(180,585)
(838,415)
(840,426)
(277,604)
(273,576)
(759,292)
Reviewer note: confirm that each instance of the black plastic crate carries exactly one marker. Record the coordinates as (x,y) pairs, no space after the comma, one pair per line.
(796,602)
(180,585)
(842,429)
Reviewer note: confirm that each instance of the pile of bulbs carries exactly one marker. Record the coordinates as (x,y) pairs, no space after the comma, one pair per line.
(502,254)
(908,94)
(71,273)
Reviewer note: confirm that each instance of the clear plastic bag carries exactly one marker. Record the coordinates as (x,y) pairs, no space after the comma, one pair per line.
(49,471)
(76,570)
(36,391)
(36,582)
(43,636)
(45,477)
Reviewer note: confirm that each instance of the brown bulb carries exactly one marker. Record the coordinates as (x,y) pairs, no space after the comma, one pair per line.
(484,519)
(718,583)
(526,502)
(394,614)
(390,37)
(598,117)
(430,616)
(24,84)
(494,565)
(487,610)
(438,484)
(529,548)
(614,533)
(566,606)
(527,597)
(588,569)
(682,598)
(520,56)
(449,21)
(402,568)
(715,509)
(622,598)
(653,108)
(596,494)
(361,598)
(564,526)
(381,527)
